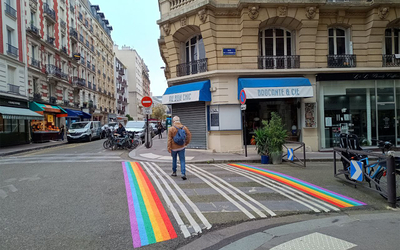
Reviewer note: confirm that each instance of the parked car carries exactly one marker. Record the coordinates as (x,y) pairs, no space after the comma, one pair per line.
(112,125)
(154,126)
(139,126)
(84,131)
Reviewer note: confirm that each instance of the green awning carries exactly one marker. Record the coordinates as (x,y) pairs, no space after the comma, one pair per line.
(19,114)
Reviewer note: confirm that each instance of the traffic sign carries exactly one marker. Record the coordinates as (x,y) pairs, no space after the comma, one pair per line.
(242,97)
(147,111)
(147,101)
(356,170)
(290,154)
(243,107)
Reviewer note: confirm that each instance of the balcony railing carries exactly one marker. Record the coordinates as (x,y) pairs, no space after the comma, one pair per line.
(63,24)
(80,17)
(82,60)
(49,11)
(89,85)
(391,60)
(53,70)
(79,81)
(11,11)
(66,102)
(53,99)
(33,29)
(93,68)
(100,89)
(37,97)
(174,4)
(278,62)
(35,63)
(73,33)
(341,61)
(64,76)
(13,89)
(64,49)
(50,40)
(88,64)
(121,72)
(81,38)
(87,44)
(94,87)
(193,67)
(11,50)
(71,8)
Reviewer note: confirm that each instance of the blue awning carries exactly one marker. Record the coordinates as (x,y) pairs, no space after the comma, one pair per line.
(77,114)
(264,88)
(190,92)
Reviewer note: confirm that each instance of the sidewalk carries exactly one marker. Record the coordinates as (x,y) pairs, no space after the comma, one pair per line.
(30,147)
(159,153)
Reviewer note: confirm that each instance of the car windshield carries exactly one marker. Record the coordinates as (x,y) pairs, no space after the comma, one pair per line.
(132,124)
(78,125)
(112,124)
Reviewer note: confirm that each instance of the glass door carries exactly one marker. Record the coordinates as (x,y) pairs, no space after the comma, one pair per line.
(386,128)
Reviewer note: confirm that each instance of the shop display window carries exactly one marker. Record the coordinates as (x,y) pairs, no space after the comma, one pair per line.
(46,125)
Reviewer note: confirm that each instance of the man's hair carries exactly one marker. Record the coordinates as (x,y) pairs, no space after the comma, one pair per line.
(176,119)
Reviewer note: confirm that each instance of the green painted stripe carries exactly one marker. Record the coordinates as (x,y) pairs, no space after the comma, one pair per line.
(146,219)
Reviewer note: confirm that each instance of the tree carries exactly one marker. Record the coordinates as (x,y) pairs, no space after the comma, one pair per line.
(159,112)
(129,117)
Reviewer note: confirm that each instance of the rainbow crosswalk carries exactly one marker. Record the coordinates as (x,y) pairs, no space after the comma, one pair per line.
(149,220)
(318,192)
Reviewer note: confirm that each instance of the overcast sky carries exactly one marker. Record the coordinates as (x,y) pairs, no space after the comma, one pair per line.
(134,24)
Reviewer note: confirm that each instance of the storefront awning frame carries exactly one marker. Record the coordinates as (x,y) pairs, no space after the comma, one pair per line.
(189,92)
(19,114)
(77,114)
(267,88)
(40,108)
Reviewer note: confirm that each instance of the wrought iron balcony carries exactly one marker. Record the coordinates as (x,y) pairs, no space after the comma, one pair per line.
(81,38)
(64,76)
(121,71)
(73,33)
(341,61)
(33,30)
(64,49)
(89,85)
(94,87)
(82,60)
(93,68)
(11,50)
(50,40)
(35,63)
(391,60)
(193,67)
(14,89)
(88,64)
(87,44)
(63,24)
(11,11)
(79,81)
(37,97)
(71,8)
(80,17)
(100,89)
(53,70)
(49,12)
(278,62)
(66,102)
(53,99)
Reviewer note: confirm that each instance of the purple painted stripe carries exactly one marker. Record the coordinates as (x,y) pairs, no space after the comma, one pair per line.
(262,169)
(132,214)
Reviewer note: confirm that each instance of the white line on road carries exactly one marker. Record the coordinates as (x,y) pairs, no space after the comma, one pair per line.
(228,187)
(175,213)
(186,198)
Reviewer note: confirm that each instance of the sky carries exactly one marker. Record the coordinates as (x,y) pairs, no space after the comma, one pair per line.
(134,24)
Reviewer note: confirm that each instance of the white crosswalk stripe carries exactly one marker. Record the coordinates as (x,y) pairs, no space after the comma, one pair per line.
(67,158)
(314,204)
(157,173)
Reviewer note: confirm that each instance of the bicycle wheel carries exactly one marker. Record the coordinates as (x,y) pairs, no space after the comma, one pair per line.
(106,144)
(381,179)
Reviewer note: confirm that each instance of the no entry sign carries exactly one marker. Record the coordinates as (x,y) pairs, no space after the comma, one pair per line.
(147,101)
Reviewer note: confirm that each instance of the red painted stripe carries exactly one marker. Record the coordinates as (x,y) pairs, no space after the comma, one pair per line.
(19,15)
(160,207)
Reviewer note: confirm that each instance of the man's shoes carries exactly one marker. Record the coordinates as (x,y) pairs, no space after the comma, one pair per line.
(173,174)
(184,177)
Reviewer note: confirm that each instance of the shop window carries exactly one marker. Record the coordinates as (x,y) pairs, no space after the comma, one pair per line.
(1,124)
(392,41)
(22,126)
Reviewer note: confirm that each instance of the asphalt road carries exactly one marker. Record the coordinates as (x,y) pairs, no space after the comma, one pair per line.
(74,197)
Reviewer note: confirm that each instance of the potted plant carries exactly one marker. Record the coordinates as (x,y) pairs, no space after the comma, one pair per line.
(276,137)
(262,144)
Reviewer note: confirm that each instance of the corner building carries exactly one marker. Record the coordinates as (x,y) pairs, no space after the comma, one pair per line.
(327,67)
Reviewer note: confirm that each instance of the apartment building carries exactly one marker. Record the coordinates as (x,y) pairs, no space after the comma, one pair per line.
(326,66)
(138,78)
(121,92)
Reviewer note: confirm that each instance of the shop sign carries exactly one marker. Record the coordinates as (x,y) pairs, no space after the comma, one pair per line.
(13,103)
(358,76)
(50,118)
(191,96)
(279,92)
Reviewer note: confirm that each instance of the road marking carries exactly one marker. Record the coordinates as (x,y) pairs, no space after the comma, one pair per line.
(11,188)
(148,217)
(226,196)
(230,187)
(175,213)
(185,197)
(318,192)
(286,191)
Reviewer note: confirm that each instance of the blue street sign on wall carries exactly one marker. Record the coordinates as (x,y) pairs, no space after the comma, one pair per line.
(229,51)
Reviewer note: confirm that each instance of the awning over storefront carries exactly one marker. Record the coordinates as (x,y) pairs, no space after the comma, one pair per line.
(19,114)
(190,92)
(77,114)
(40,108)
(265,88)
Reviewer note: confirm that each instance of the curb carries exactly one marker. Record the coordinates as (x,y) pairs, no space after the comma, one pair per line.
(31,149)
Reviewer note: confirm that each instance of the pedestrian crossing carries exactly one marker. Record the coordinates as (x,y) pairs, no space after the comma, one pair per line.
(109,156)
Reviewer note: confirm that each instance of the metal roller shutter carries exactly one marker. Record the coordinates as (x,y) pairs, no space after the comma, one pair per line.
(193,115)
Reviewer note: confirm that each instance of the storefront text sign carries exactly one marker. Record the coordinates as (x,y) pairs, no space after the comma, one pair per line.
(279,92)
(191,96)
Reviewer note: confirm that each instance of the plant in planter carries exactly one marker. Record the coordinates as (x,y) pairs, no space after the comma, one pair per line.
(276,137)
(262,144)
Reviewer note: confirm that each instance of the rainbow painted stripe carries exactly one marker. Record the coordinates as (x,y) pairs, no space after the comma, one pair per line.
(149,221)
(318,192)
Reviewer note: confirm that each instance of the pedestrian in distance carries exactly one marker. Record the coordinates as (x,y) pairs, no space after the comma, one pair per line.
(62,132)
(159,130)
(178,138)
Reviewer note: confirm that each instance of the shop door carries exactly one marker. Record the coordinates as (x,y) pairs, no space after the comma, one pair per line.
(386,129)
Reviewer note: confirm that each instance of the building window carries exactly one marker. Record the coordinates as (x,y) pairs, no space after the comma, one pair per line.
(392,41)
(194,49)
(337,41)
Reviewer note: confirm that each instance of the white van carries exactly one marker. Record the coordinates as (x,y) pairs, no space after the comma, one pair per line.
(84,131)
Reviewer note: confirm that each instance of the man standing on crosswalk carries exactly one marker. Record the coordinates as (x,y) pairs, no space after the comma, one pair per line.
(178,138)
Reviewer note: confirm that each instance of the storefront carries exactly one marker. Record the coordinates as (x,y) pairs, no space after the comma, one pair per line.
(14,119)
(280,95)
(188,101)
(364,104)
(76,116)
(47,129)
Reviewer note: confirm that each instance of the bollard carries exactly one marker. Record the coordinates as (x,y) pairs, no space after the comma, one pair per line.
(391,181)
